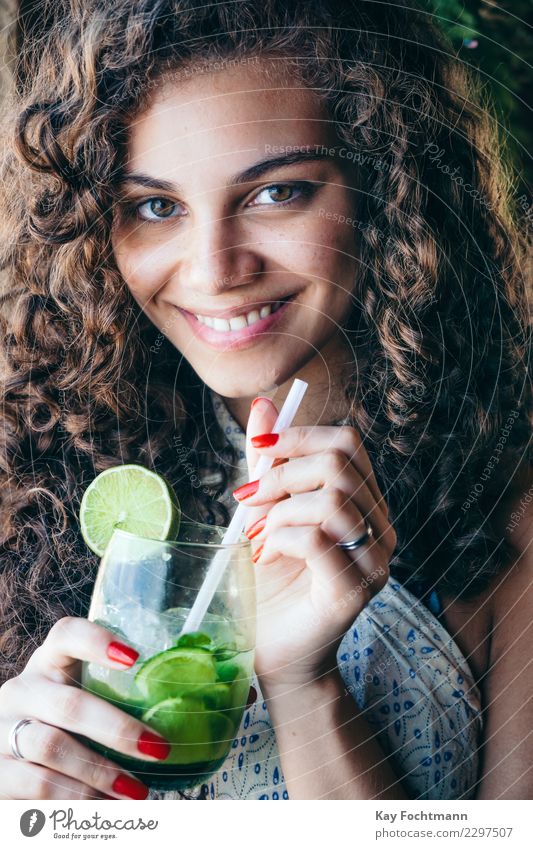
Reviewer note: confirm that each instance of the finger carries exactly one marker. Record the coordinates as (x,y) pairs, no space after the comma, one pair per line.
(263,415)
(253,514)
(335,572)
(53,748)
(332,509)
(331,470)
(84,713)
(305,440)
(72,639)
(24,780)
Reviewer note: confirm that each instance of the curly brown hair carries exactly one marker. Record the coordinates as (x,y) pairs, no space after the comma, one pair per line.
(443,396)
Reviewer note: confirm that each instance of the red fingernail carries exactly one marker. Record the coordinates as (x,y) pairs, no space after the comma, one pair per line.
(264,440)
(256,400)
(125,785)
(257,555)
(256,527)
(153,745)
(246,490)
(122,653)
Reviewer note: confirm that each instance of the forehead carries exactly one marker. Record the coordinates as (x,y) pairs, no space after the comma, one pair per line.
(218,117)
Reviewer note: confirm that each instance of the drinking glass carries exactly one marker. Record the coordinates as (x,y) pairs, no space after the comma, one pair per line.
(192,688)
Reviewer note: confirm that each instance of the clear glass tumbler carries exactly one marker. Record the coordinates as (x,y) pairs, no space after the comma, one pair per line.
(192,689)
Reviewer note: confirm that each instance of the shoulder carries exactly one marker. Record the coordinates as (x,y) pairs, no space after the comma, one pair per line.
(515,524)
(482,627)
(508,683)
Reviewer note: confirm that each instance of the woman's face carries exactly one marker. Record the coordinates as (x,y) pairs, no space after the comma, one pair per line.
(228,205)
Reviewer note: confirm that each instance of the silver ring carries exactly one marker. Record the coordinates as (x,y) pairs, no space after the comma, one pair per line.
(13,735)
(356,543)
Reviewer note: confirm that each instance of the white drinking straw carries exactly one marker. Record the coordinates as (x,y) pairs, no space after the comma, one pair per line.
(235,527)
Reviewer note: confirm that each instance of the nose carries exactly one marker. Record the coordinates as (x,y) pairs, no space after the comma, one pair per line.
(218,258)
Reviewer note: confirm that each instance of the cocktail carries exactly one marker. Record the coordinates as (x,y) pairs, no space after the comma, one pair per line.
(191,688)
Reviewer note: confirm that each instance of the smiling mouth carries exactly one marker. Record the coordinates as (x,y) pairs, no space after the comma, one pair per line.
(222,337)
(243,320)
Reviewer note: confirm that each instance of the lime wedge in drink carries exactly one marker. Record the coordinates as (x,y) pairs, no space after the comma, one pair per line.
(195,639)
(131,498)
(215,696)
(175,672)
(227,670)
(196,735)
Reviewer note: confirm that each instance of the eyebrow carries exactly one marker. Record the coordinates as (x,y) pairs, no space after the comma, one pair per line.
(248,175)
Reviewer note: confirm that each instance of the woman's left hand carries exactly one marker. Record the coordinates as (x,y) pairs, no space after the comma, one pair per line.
(310,590)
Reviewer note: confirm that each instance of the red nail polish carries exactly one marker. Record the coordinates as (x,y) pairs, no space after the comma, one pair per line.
(122,653)
(257,555)
(256,527)
(153,745)
(264,440)
(125,785)
(246,490)
(256,400)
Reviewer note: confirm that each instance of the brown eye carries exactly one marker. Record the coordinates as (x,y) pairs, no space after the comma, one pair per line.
(280,193)
(283,194)
(157,209)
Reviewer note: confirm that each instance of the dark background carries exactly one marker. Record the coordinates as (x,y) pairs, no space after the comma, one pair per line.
(496,39)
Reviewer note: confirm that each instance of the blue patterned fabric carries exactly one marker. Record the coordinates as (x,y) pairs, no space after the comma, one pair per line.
(405,673)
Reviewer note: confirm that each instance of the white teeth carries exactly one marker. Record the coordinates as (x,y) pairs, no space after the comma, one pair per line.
(220,324)
(238,322)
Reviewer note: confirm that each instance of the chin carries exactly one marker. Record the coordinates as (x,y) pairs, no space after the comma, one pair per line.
(238,388)
(250,375)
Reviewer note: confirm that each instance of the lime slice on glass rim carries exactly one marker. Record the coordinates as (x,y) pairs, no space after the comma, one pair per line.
(132,499)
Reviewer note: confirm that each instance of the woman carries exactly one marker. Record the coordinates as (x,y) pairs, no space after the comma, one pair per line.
(201,204)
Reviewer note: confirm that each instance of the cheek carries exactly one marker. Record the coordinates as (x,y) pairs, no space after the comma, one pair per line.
(143,271)
(343,238)
(343,257)
(334,268)
(334,261)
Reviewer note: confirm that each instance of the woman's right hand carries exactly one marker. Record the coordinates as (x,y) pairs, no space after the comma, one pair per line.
(55,764)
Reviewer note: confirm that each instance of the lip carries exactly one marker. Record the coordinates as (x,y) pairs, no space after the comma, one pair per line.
(234,339)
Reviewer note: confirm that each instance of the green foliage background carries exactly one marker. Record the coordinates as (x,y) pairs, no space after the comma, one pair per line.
(503,56)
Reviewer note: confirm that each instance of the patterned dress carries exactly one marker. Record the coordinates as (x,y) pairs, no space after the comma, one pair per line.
(404,671)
